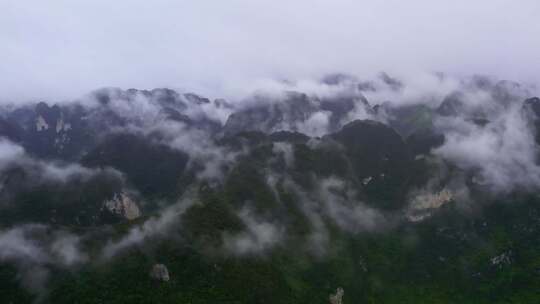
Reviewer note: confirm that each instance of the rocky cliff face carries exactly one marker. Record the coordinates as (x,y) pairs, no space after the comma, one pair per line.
(122,205)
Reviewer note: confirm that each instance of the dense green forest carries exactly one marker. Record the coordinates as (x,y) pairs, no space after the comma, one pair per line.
(172,206)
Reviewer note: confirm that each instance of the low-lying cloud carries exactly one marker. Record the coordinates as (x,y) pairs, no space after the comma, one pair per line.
(504,151)
(153,227)
(34,249)
(12,155)
(259,236)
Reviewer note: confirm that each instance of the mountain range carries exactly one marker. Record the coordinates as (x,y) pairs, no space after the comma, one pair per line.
(354,192)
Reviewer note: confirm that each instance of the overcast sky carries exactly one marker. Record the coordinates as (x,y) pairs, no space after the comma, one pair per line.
(65,48)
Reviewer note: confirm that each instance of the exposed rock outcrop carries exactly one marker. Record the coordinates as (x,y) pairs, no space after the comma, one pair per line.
(41,124)
(503,259)
(122,205)
(159,272)
(423,204)
(337,298)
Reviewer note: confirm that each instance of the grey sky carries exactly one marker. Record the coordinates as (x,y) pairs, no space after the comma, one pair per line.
(65,48)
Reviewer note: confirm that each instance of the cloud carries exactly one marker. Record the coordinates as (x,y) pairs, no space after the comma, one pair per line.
(64,49)
(200,145)
(423,88)
(340,205)
(155,226)
(15,244)
(503,151)
(12,154)
(35,249)
(286,150)
(316,125)
(65,247)
(146,114)
(259,235)
(332,201)
(319,237)
(9,153)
